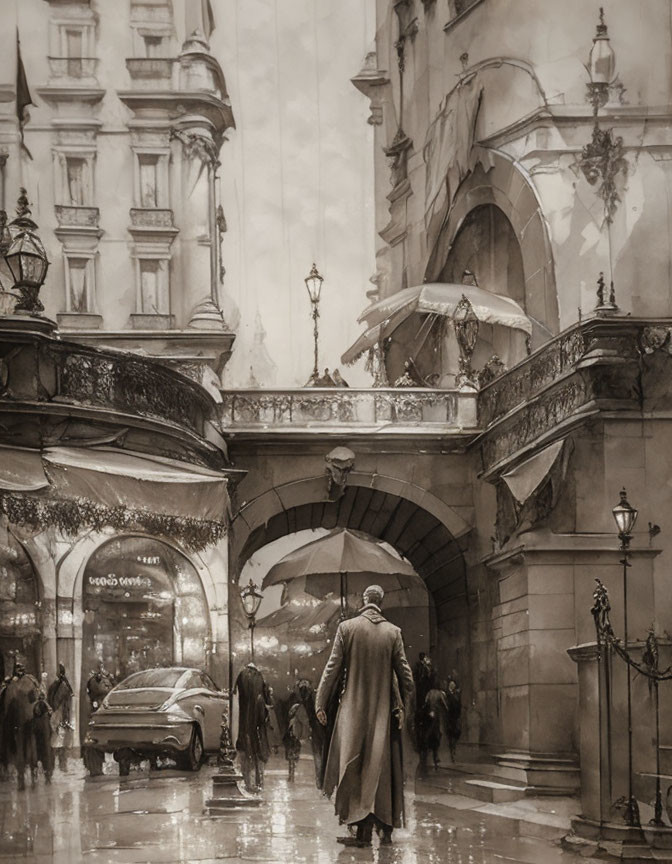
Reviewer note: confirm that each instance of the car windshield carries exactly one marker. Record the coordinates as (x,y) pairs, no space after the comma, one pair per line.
(152,678)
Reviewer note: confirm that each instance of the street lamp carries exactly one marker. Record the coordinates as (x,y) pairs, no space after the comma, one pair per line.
(625,517)
(314,286)
(466,326)
(251,597)
(26,258)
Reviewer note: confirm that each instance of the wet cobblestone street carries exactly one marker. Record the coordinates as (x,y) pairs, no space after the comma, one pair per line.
(160,818)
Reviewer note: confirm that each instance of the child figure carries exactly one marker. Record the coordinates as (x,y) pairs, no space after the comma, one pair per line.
(297,730)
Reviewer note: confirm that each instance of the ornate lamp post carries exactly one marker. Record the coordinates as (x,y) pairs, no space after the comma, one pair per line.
(26,258)
(251,597)
(625,517)
(466,326)
(314,286)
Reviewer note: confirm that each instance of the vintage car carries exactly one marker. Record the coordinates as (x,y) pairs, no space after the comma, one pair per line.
(173,712)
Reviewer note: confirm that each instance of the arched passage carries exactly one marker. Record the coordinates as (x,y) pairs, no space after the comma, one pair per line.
(402,515)
(499,190)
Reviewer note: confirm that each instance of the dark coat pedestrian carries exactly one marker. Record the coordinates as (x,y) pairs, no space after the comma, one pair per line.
(97,687)
(425,679)
(44,753)
(252,741)
(20,698)
(361,766)
(305,695)
(59,697)
(297,730)
(435,712)
(454,717)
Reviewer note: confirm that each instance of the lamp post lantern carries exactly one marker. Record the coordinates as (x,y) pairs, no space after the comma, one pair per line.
(625,516)
(26,258)
(251,597)
(314,287)
(466,326)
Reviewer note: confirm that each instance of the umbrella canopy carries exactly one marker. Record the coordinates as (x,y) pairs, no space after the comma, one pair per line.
(434,298)
(341,551)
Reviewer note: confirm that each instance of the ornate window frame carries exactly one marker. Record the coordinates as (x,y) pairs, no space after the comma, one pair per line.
(90,271)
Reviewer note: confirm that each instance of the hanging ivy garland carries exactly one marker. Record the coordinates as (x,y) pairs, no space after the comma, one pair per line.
(71,515)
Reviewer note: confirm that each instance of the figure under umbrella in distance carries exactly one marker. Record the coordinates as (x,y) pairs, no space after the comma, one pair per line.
(364,761)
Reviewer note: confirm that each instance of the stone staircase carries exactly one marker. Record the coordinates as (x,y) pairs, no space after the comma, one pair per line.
(508,777)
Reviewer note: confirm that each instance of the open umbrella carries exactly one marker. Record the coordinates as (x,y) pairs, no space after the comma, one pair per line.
(344,561)
(434,298)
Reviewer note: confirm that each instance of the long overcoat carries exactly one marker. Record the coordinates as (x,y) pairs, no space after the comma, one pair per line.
(363,764)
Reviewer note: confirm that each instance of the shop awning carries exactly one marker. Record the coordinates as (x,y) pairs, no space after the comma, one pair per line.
(437,298)
(530,474)
(21,470)
(113,477)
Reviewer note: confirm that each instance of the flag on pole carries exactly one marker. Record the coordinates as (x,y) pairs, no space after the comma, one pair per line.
(199,16)
(23,97)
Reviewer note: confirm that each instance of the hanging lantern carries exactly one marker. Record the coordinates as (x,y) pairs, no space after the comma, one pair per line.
(602,62)
(26,259)
(466,327)
(251,597)
(314,284)
(625,516)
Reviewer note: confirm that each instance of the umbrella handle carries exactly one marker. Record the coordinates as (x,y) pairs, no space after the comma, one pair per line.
(344,594)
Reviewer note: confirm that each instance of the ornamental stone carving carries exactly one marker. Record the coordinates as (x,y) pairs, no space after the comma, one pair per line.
(339,463)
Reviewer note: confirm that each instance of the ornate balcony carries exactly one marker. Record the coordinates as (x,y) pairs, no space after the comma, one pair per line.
(599,365)
(385,410)
(73,67)
(77,217)
(146,217)
(114,395)
(157,70)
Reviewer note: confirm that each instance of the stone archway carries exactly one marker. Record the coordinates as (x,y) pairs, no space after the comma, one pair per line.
(498,181)
(418,525)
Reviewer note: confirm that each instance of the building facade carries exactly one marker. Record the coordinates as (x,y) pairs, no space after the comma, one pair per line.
(120,155)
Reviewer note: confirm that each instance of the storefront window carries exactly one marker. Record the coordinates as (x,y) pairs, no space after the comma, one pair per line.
(143,608)
(20,613)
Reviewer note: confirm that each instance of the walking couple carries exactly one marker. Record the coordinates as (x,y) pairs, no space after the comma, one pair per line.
(364,695)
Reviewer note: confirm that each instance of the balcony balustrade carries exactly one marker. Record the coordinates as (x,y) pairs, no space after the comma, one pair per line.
(77,217)
(151,217)
(150,71)
(73,67)
(384,409)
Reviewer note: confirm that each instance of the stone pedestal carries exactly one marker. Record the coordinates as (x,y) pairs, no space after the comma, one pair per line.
(226,790)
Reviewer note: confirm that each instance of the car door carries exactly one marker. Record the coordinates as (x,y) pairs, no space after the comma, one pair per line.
(214,703)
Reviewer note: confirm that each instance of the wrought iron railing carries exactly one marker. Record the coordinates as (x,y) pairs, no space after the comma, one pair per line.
(130,385)
(531,376)
(291,408)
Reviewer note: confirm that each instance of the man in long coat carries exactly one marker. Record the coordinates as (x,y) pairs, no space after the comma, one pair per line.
(364,760)
(252,743)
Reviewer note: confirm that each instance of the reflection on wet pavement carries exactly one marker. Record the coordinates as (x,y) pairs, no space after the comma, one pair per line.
(161,818)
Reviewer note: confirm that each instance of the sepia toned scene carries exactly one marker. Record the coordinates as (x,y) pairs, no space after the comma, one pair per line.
(335,465)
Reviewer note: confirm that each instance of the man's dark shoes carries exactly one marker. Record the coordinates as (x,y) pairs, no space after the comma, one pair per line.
(353,841)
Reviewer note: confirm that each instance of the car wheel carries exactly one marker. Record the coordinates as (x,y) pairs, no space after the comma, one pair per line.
(194,754)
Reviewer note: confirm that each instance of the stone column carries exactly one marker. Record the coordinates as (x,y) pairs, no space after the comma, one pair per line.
(198,227)
(593,725)
(534,621)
